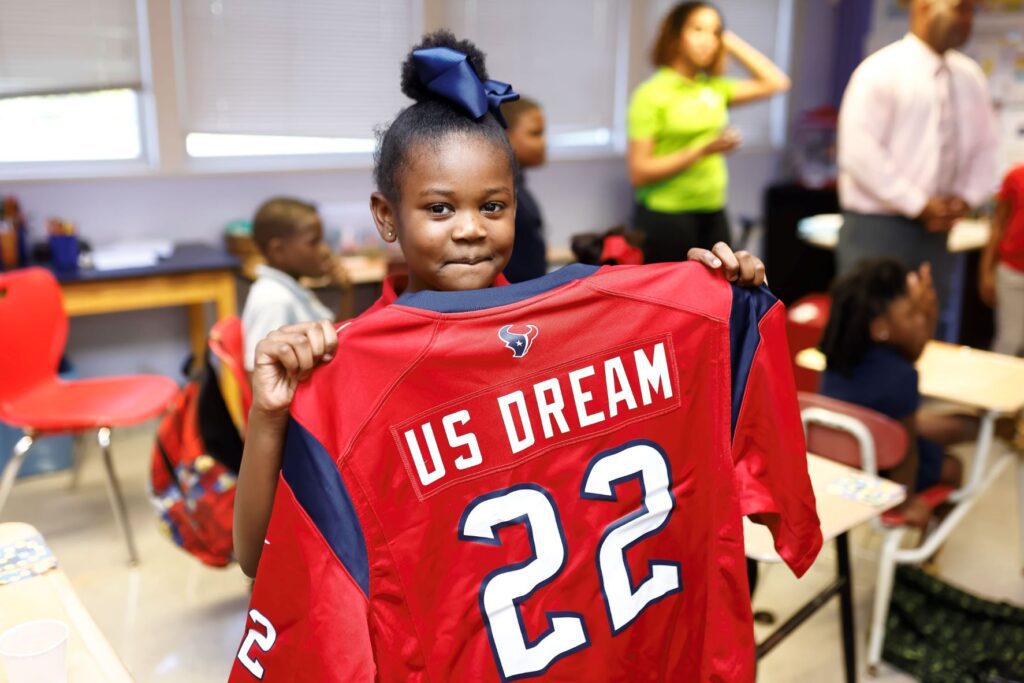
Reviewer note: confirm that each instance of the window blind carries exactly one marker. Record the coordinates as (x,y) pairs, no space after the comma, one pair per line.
(565,54)
(61,46)
(315,68)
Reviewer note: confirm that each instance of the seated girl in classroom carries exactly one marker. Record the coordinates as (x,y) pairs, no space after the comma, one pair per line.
(882,317)
(408,209)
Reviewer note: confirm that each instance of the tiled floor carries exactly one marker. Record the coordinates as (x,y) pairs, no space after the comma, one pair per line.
(171,619)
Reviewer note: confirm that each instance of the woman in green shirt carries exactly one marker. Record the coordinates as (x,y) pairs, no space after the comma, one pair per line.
(679,134)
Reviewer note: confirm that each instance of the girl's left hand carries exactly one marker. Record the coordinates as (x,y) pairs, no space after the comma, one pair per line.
(741,267)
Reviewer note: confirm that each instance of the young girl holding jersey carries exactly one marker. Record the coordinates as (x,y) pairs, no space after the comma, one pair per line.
(446,192)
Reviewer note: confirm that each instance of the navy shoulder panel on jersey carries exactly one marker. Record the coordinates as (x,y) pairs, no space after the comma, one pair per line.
(749,305)
(314,478)
(492,297)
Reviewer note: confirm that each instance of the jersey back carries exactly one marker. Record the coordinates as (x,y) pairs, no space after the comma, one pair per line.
(543,481)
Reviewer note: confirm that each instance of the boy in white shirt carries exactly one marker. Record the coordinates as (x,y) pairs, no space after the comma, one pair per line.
(290,236)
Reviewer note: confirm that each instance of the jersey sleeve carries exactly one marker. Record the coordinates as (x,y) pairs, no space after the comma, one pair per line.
(769,454)
(308,619)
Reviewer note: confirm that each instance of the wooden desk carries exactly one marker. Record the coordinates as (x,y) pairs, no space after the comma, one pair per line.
(365,269)
(971,377)
(838,515)
(194,275)
(90,657)
(959,374)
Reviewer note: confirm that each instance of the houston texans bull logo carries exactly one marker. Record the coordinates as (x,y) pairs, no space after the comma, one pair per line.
(519,342)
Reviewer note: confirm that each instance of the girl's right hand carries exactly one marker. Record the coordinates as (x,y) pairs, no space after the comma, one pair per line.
(286,357)
(727,141)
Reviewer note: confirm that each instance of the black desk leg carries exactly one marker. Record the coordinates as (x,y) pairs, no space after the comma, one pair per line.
(845,579)
(841,586)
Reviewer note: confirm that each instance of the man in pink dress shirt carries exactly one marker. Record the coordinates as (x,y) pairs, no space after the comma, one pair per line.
(917,143)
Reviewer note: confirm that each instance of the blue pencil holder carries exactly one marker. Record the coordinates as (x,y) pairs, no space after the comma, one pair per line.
(64,252)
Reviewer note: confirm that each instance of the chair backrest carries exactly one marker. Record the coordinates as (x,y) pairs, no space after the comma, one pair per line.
(33,330)
(851,434)
(805,323)
(226,344)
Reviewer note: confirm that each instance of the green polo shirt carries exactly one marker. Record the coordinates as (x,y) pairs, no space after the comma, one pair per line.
(677,112)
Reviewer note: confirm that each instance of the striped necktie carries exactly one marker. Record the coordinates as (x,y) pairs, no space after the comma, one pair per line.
(949,156)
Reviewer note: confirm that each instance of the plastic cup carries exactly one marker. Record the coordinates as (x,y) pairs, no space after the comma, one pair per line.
(35,652)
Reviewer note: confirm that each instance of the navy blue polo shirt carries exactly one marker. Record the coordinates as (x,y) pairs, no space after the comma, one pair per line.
(885,381)
(529,253)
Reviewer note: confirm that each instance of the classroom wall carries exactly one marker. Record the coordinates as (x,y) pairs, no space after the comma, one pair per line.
(576,196)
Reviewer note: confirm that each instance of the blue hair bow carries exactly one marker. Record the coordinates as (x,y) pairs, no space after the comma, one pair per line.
(448,73)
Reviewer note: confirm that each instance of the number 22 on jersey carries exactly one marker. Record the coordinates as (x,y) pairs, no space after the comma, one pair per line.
(532,506)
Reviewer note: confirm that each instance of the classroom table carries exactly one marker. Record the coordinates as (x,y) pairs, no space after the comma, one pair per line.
(838,514)
(194,275)
(50,595)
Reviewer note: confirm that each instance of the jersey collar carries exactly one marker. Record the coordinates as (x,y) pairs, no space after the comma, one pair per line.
(492,297)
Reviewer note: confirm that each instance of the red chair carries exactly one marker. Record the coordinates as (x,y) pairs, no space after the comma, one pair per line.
(33,398)
(226,344)
(861,437)
(805,323)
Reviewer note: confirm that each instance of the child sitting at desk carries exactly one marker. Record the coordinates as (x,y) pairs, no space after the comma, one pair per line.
(882,317)
(289,234)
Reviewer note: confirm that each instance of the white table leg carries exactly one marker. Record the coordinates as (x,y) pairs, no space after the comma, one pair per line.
(986,432)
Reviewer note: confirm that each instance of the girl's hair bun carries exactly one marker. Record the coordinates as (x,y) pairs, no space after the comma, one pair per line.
(413,88)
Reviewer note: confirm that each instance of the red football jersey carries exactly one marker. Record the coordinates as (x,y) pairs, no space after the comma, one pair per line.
(538,481)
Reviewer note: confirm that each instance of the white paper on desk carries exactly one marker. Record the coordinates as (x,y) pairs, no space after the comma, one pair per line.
(136,254)
(122,260)
(162,248)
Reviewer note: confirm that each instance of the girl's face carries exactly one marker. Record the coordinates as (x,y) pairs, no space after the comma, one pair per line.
(527,139)
(455,218)
(701,41)
(903,326)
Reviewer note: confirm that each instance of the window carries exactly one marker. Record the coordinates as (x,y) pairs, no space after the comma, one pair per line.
(568,55)
(263,77)
(767,25)
(77,127)
(69,81)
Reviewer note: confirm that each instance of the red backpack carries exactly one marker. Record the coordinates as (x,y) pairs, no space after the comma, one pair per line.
(193,471)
